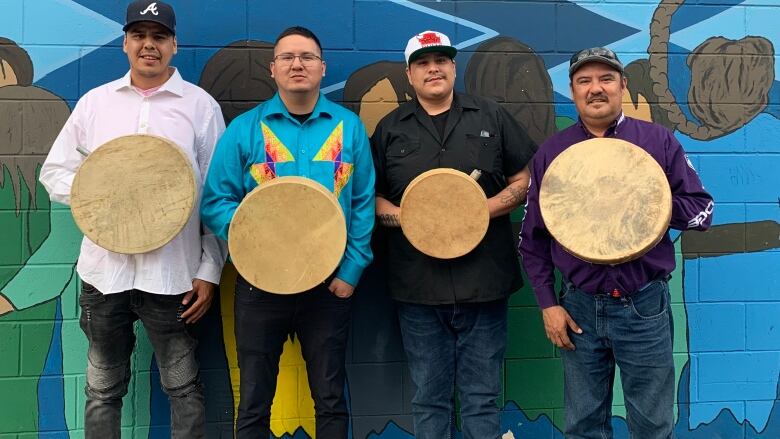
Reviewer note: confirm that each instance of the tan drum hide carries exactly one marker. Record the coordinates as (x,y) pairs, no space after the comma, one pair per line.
(444,213)
(288,235)
(605,201)
(133,194)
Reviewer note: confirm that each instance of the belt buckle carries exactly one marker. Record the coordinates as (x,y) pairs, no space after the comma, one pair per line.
(616,293)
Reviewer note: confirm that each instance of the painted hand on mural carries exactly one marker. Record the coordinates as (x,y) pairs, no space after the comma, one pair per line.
(5,305)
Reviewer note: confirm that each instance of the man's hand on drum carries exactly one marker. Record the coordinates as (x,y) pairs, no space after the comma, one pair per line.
(556,323)
(203,292)
(340,288)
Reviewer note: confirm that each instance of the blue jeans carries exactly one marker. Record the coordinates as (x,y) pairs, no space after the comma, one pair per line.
(449,347)
(635,332)
(107,320)
(263,322)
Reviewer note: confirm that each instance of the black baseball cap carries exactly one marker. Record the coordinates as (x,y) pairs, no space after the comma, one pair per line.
(594,54)
(147,10)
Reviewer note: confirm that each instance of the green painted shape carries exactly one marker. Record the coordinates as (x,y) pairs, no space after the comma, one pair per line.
(49,270)
(528,338)
(22,415)
(563,122)
(36,339)
(516,216)
(9,350)
(533,373)
(22,230)
(677,293)
(535,383)
(11,250)
(38,222)
(525,295)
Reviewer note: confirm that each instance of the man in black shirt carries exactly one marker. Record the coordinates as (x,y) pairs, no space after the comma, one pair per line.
(452,312)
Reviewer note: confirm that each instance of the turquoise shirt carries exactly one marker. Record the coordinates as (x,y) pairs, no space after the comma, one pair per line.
(331,147)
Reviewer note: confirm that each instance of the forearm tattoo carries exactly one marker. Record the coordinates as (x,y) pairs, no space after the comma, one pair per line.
(515,196)
(389,220)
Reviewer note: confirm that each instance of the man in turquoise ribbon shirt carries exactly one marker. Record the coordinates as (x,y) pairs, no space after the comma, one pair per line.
(297,132)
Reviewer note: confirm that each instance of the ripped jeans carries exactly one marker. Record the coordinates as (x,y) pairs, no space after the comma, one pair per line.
(107,320)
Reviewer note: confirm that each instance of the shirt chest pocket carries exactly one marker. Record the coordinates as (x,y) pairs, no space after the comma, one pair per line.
(402,163)
(485,153)
(400,150)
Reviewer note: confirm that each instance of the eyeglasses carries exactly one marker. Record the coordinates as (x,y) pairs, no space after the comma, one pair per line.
(593,51)
(307,59)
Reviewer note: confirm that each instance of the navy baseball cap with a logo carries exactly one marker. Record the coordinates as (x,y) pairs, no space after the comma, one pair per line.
(147,10)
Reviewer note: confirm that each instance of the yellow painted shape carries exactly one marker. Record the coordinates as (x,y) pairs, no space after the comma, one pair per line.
(7,74)
(377,103)
(293,406)
(639,110)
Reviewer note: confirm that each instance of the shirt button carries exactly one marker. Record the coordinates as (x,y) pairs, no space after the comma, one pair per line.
(303,151)
(443,149)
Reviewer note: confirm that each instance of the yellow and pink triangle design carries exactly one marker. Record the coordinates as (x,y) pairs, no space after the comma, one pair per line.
(330,151)
(275,151)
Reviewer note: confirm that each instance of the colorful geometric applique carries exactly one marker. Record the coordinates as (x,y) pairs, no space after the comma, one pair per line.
(263,172)
(330,151)
(342,173)
(275,151)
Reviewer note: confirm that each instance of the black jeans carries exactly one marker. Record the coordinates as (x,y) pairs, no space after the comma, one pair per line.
(107,320)
(263,322)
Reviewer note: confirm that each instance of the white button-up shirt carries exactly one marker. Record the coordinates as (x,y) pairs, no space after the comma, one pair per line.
(178,111)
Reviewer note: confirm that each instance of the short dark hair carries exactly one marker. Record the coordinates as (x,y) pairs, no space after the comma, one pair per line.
(298,30)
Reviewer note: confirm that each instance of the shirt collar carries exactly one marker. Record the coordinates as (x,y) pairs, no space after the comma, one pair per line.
(611,130)
(458,101)
(275,107)
(174,84)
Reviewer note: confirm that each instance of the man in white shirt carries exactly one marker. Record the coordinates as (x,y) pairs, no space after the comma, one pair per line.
(165,288)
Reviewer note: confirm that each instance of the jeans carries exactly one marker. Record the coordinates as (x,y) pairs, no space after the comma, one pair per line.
(107,320)
(635,332)
(263,322)
(449,347)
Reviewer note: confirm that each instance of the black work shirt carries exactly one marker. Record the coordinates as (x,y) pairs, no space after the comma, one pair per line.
(479,134)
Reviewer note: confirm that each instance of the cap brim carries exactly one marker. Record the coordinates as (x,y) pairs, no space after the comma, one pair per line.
(127,26)
(595,58)
(447,50)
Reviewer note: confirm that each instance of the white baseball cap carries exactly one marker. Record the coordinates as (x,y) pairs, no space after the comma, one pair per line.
(426,42)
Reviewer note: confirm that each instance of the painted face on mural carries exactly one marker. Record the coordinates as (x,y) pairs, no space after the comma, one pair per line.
(298,66)
(432,76)
(149,47)
(597,90)
(7,74)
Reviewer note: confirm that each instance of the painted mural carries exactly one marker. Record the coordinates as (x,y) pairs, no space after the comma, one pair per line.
(705,70)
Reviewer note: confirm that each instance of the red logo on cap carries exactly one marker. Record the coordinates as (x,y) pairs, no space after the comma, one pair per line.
(429,39)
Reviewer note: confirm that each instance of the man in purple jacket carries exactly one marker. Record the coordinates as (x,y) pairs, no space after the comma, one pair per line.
(610,314)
